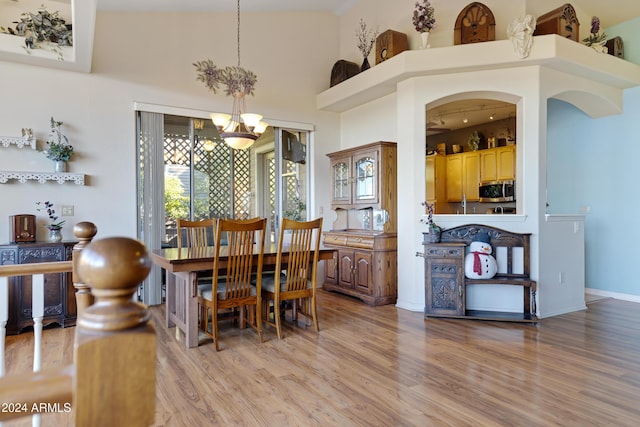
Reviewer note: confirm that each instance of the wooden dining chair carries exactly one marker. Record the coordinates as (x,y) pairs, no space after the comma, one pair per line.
(233,268)
(195,235)
(297,279)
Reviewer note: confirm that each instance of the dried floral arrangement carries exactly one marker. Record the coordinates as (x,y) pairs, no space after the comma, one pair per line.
(366,38)
(236,79)
(424,16)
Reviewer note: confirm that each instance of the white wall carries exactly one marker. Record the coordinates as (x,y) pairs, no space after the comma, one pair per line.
(147,57)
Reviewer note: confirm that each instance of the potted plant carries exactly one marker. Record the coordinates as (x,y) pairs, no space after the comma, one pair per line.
(42,29)
(474,141)
(59,150)
(54,227)
(435,230)
(596,40)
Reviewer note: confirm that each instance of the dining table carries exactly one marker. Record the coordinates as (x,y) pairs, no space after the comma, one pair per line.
(182,266)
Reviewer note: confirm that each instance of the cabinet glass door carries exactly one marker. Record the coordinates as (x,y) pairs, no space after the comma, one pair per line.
(365,189)
(341,188)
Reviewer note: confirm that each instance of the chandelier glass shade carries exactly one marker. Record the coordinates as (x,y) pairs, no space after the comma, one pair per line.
(238,129)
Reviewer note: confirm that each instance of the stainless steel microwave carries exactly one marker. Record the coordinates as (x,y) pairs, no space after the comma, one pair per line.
(497,191)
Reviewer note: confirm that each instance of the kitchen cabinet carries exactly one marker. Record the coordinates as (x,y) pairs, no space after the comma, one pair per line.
(498,163)
(59,293)
(436,182)
(463,176)
(364,266)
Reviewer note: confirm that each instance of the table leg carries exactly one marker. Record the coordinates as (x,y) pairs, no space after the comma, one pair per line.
(170,302)
(191,314)
(182,305)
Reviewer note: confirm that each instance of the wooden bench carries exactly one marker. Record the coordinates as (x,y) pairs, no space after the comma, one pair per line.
(446,284)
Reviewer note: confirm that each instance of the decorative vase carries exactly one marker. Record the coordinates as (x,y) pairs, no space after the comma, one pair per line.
(424,37)
(55,234)
(600,47)
(365,65)
(433,236)
(60,166)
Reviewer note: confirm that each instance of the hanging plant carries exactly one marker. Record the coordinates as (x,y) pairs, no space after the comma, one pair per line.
(41,28)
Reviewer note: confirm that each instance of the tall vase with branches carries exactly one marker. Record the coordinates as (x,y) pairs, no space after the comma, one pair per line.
(366,40)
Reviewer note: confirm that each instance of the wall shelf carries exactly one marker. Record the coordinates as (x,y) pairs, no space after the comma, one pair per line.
(19,141)
(41,177)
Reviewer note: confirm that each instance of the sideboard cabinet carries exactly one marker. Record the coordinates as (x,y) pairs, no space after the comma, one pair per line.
(59,293)
(365,265)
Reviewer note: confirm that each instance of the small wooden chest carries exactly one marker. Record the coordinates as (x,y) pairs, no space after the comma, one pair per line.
(562,21)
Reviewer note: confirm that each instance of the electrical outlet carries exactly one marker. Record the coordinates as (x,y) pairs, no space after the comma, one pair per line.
(67,210)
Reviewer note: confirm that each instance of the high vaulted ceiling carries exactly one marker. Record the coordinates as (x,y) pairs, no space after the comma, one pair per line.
(610,12)
(336,6)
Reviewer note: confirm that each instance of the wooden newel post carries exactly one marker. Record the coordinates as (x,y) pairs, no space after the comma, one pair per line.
(115,346)
(84,232)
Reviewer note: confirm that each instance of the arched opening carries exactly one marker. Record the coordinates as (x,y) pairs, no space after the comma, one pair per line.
(471,154)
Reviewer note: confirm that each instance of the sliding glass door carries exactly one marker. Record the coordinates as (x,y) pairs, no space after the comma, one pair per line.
(186,171)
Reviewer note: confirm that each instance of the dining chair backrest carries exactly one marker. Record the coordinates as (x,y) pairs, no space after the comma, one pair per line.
(196,234)
(303,248)
(294,279)
(243,238)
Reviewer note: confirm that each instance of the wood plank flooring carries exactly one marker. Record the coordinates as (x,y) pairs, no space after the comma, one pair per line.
(383,366)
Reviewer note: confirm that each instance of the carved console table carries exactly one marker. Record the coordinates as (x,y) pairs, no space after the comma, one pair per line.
(59,293)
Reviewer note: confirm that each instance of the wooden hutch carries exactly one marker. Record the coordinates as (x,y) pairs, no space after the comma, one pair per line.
(364,188)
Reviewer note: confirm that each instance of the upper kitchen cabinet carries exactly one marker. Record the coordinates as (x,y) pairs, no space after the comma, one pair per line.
(436,182)
(497,164)
(463,177)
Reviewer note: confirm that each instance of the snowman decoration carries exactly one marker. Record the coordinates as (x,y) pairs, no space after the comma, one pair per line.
(479,263)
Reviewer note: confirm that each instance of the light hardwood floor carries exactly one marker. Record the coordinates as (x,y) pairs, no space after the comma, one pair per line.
(383,366)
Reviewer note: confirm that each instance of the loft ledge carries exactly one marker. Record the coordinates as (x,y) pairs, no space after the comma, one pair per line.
(551,51)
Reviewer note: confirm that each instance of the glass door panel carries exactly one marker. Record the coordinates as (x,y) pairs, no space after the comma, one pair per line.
(341,189)
(365,189)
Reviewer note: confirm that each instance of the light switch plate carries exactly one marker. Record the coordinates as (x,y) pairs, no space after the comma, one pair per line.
(67,210)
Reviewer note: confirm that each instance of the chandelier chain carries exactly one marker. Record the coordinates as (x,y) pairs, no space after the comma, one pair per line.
(238,33)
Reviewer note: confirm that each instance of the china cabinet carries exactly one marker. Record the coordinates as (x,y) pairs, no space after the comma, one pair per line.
(364,176)
(59,293)
(364,186)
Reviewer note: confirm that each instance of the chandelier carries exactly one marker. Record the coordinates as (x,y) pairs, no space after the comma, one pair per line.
(238,129)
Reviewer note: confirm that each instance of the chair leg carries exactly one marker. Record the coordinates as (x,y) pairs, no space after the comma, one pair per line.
(214,325)
(276,316)
(258,318)
(243,323)
(314,314)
